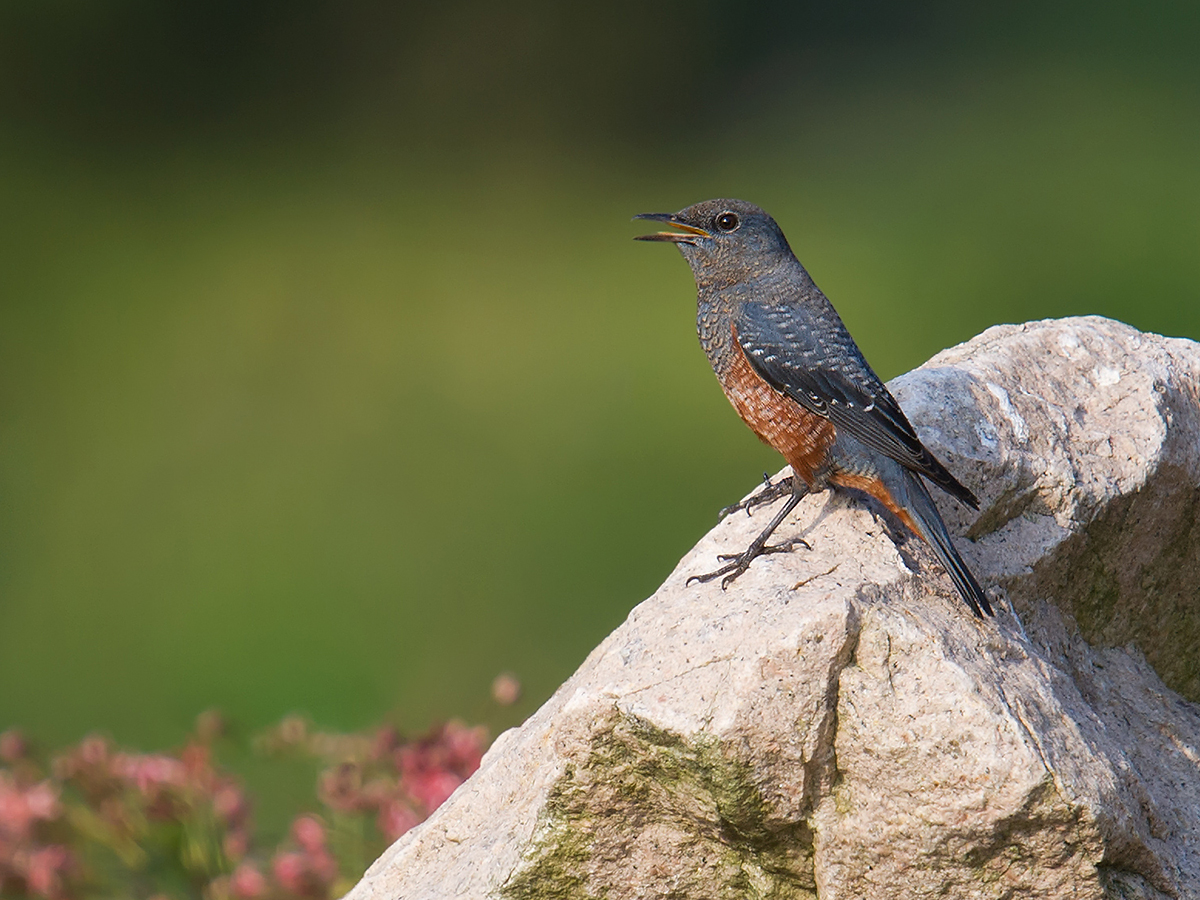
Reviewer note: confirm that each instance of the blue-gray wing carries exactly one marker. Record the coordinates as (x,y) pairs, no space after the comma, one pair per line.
(809,355)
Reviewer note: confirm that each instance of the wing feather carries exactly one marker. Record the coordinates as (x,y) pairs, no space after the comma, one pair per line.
(819,366)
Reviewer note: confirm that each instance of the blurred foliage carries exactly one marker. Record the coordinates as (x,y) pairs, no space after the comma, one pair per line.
(98,821)
(132,69)
(331,380)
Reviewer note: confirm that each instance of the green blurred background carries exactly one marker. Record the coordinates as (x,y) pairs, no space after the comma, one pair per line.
(331,380)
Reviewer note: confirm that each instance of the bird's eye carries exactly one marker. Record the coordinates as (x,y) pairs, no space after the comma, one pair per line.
(727,222)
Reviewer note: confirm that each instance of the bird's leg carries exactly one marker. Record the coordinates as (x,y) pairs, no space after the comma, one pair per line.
(740,562)
(772,491)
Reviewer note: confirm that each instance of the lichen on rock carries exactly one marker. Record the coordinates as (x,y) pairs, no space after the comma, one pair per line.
(644,794)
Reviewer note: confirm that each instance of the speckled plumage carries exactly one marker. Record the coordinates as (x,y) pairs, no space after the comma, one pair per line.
(803,438)
(794,374)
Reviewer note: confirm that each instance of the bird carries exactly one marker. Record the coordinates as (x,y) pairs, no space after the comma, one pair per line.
(790,368)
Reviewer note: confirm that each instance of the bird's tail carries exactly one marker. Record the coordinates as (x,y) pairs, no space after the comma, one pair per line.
(930,527)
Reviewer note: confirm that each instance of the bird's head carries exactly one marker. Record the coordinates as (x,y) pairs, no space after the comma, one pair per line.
(723,240)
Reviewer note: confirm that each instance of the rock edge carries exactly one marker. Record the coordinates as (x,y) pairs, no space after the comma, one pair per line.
(837,725)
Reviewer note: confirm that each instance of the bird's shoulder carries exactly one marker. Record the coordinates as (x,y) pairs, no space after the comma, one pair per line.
(795,341)
(803,342)
(802,348)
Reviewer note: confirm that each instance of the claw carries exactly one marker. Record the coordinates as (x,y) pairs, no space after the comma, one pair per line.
(727,511)
(767,548)
(771,491)
(739,563)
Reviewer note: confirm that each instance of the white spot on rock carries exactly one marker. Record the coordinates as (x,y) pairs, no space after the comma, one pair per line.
(1068,343)
(1020,429)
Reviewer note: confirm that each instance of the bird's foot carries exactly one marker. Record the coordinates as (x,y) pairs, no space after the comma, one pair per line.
(772,491)
(738,563)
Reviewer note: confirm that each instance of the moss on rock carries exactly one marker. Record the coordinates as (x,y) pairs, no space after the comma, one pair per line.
(654,807)
(1132,576)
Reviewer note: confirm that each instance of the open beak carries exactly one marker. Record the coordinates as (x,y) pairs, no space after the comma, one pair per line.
(683,236)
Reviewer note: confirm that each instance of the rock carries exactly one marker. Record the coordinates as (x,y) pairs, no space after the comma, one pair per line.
(838,725)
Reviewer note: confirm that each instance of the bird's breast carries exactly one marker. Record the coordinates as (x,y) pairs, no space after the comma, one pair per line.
(802,437)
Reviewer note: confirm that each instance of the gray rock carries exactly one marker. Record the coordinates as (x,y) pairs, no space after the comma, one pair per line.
(838,725)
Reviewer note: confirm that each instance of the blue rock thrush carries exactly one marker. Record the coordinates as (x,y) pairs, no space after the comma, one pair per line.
(795,376)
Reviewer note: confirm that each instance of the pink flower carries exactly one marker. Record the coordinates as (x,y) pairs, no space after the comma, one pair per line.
(93,750)
(230,804)
(309,834)
(290,871)
(150,772)
(340,788)
(236,844)
(45,869)
(19,809)
(305,875)
(376,793)
(466,749)
(395,819)
(196,763)
(432,768)
(453,747)
(310,871)
(506,689)
(323,866)
(387,739)
(42,800)
(13,746)
(247,882)
(431,787)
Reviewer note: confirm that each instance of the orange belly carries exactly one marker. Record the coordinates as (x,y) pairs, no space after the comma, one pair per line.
(801,436)
(876,488)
